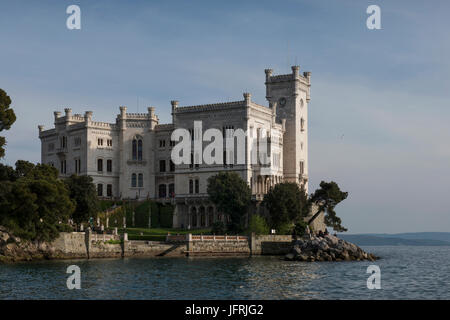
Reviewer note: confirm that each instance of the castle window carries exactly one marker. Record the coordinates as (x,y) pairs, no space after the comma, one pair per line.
(172,166)
(162,165)
(100,190)
(136,152)
(100,142)
(140,180)
(191,165)
(139,155)
(63,142)
(302,124)
(63,167)
(77,165)
(191,186)
(172,143)
(197,184)
(109,165)
(162,190)
(109,190)
(77,141)
(171,190)
(162,143)
(302,167)
(133,180)
(100,165)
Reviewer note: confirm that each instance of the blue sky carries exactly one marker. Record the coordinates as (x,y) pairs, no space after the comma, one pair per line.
(379,99)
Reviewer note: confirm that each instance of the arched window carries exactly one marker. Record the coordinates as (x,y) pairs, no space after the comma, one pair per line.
(171,190)
(140,180)
(99,165)
(134,150)
(191,186)
(194,217)
(133,180)
(139,155)
(162,190)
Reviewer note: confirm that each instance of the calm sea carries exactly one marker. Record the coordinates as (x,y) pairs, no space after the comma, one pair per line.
(406,273)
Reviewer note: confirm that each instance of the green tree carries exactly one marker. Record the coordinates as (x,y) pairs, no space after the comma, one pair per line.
(82,191)
(7,118)
(327,197)
(218,228)
(24,167)
(232,196)
(36,204)
(258,225)
(7,173)
(286,203)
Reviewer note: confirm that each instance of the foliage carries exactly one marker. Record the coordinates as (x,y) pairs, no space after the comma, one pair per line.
(231,195)
(35,204)
(300,227)
(327,197)
(82,190)
(161,214)
(7,118)
(258,225)
(286,203)
(218,228)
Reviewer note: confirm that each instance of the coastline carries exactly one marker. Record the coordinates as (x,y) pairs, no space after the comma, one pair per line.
(86,245)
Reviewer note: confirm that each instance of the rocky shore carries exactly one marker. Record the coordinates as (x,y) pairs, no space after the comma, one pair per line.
(13,249)
(326,248)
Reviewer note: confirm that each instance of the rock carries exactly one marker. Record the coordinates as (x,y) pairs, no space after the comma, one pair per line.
(297,250)
(289,257)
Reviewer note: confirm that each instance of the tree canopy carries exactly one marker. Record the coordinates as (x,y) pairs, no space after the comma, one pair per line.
(327,197)
(7,118)
(232,196)
(35,202)
(287,203)
(82,191)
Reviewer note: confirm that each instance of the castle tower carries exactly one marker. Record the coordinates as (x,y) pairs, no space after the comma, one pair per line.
(291,93)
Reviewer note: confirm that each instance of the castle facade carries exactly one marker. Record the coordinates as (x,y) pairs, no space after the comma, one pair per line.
(131,158)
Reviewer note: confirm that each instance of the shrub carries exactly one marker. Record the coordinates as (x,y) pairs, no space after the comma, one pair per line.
(258,225)
(300,227)
(218,228)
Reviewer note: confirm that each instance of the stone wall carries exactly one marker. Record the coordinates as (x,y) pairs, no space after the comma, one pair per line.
(219,248)
(82,245)
(70,245)
(270,244)
(154,249)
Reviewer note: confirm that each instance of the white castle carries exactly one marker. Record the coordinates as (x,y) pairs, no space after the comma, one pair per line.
(131,158)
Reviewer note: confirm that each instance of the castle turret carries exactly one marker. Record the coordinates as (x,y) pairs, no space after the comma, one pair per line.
(288,96)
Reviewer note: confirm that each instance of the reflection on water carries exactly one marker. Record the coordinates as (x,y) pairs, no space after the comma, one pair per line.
(407,273)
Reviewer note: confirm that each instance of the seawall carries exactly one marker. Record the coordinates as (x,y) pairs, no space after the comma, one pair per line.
(73,245)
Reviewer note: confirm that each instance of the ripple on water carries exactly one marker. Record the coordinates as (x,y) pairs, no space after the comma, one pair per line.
(406,273)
